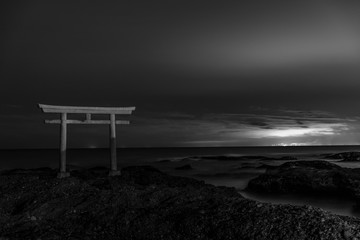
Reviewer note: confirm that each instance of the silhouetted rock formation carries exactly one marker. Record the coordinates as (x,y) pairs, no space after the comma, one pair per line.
(345,156)
(266,166)
(312,177)
(164,161)
(144,203)
(285,158)
(235,158)
(302,176)
(184,167)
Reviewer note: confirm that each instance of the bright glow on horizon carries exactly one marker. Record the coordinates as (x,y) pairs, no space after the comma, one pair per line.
(299,132)
(323,129)
(290,144)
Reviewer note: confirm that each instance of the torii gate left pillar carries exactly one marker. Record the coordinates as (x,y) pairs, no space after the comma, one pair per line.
(63,138)
(113,159)
(64,110)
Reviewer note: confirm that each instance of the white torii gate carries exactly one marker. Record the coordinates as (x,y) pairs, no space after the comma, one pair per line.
(64,110)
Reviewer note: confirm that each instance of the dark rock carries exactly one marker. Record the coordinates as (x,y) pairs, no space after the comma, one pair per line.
(266,166)
(320,165)
(238,175)
(345,156)
(287,158)
(235,158)
(310,177)
(283,158)
(99,168)
(164,161)
(184,167)
(144,203)
(246,167)
(302,176)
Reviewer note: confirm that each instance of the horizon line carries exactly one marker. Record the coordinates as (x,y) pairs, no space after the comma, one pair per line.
(260,146)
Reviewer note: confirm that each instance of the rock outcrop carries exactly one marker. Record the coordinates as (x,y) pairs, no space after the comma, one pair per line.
(345,156)
(309,177)
(302,177)
(238,158)
(184,167)
(144,203)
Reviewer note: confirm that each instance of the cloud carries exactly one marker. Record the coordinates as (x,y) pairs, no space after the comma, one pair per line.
(281,127)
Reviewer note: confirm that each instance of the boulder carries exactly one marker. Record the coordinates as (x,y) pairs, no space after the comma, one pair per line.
(309,177)
(345,156)
(303,177)
(184,167)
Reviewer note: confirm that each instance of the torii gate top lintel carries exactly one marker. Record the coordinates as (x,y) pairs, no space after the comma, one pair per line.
(64,110)
(94,110)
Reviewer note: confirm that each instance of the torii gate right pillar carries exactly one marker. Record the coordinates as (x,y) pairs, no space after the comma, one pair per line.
(63,135)
(113,160)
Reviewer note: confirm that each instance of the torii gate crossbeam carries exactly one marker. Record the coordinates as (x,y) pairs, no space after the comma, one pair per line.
(63,121)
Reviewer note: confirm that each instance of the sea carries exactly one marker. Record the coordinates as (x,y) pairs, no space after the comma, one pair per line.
(205,164)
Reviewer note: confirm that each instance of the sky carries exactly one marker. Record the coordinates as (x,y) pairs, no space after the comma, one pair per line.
(200,73)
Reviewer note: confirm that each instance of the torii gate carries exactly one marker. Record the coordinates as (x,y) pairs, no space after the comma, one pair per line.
(64,110)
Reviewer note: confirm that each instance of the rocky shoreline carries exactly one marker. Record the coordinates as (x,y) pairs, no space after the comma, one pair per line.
(344,156)
(309,177)
(144,203)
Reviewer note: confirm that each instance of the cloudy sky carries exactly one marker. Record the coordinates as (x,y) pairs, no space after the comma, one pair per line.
(201,73)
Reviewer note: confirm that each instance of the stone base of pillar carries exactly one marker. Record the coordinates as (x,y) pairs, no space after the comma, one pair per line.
(63,174)
(114,173)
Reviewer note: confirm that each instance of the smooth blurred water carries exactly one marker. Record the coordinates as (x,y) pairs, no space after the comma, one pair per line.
(30,158)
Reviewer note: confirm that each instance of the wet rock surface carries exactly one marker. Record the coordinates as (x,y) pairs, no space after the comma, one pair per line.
(238,158)
(266,166)
(144,203)
(184,167)
(345,156)
(309,177)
